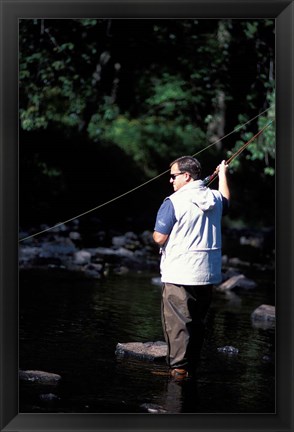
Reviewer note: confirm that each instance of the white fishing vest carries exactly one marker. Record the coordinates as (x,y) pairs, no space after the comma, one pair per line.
(192,254)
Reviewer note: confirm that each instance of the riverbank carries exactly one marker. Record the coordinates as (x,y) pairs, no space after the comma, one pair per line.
(67,247)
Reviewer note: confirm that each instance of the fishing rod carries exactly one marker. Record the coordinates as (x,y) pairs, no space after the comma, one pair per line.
(209,179)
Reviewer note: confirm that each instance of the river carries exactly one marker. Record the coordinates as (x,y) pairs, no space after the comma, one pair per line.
(71,326)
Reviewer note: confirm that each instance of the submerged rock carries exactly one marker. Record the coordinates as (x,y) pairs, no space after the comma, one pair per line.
(144,351)
(49,397)
(228,350)
(156,281)
(41,377)
(264,313)
(153,408)
(268,358)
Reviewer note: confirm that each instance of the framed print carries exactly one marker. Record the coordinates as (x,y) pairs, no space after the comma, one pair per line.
(65,393)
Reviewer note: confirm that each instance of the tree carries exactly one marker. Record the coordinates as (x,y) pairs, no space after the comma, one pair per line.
(154,89)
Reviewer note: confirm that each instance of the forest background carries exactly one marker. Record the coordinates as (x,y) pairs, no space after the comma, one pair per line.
(106,104)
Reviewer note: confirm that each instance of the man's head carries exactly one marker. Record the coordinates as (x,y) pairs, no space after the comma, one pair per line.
(184,170)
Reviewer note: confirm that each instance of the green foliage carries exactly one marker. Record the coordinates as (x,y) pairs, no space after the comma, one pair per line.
(167,90)
(263,147)
(48,171)
(154,89)
(53,92)
(162,133)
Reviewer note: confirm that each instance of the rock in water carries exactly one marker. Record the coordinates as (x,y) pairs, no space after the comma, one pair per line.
(49,397)
(40,377)
(236,281)
(144,351)
(153,408)
(228,350)
(264,313)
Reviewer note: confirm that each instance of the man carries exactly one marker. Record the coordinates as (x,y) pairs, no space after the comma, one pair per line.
(188,230)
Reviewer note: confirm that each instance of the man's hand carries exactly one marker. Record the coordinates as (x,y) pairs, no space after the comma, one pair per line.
(222,168)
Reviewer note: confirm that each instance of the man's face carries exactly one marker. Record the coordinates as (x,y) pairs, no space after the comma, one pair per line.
(177,178)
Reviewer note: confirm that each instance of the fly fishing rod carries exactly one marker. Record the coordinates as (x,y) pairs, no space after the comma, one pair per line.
(209,179)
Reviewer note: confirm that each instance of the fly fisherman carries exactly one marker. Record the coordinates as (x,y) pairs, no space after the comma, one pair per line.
(188,230)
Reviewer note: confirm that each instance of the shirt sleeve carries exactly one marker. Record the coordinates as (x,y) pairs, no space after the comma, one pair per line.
(166,218)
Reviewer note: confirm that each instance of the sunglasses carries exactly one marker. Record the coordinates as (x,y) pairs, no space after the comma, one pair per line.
(173,176)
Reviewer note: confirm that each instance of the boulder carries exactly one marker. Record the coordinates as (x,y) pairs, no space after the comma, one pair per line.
(82,257)
(145,351)
(60,247)
(74,236)
(147,238)
(128,241)
(94,271)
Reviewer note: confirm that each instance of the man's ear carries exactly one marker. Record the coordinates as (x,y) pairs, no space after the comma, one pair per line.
(187,177)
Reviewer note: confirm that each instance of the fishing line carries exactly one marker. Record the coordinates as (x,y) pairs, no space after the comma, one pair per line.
(93,209)
(141,185)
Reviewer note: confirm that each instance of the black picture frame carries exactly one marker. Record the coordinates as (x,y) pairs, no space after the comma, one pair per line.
(11,12)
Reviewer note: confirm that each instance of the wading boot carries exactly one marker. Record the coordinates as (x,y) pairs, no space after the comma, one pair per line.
(179,374)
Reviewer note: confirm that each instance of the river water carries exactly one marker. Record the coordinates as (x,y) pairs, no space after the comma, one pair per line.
(71,326)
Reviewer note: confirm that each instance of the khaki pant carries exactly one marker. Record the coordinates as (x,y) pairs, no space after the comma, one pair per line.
(183,310)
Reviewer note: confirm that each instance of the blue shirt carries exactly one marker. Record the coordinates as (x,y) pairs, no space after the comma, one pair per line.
(166,218)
